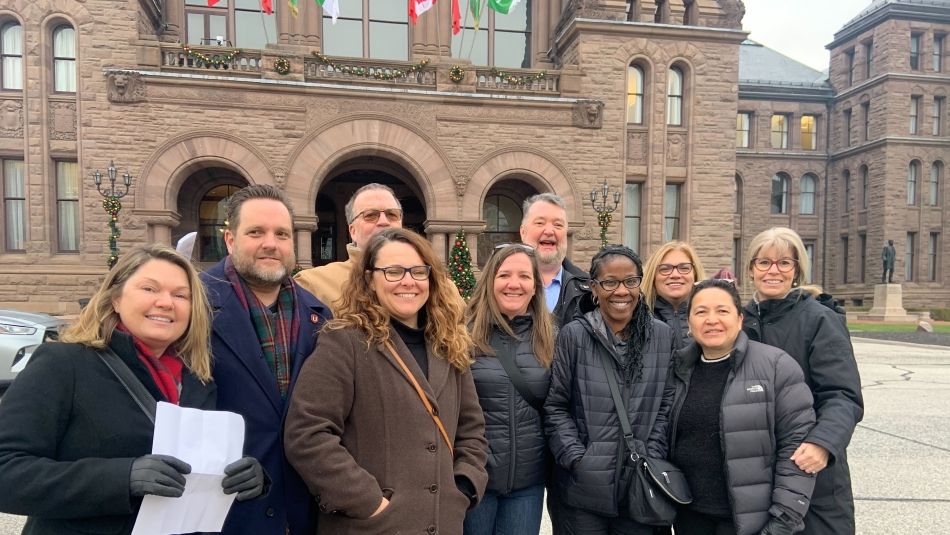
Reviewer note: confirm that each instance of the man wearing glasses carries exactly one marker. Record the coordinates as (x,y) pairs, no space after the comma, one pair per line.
(371,209)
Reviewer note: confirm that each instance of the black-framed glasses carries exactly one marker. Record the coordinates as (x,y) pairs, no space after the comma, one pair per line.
(784,265)
(610,285)
(371,215)
(684,269)
(397,273)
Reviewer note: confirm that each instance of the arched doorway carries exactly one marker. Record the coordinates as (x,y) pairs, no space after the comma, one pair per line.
(202,203)
(502,213)
(329,241)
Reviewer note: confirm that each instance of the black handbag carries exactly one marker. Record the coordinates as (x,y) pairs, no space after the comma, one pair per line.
(657,486)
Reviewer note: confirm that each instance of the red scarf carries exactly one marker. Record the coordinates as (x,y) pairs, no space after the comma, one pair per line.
(165,370)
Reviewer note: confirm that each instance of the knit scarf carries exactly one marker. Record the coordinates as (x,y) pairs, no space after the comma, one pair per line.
(165,369)
(276,333)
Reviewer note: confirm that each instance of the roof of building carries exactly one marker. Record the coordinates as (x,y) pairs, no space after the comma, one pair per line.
(878,4)
(760,64)
(876,7)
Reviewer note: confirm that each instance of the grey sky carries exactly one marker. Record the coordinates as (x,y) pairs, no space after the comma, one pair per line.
(799,29)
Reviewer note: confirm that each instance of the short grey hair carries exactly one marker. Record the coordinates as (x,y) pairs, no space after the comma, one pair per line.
(550,198)
(348,210)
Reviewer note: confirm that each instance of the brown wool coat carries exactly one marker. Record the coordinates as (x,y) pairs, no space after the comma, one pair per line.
(357,431)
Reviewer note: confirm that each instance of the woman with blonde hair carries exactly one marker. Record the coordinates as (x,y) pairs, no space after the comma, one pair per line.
(74,440)
(514,339)
(384,424)
(784,313)
(668,277)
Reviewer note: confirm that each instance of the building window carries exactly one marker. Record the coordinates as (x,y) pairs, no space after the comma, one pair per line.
(845,260)
(779,204)
(849,58)
(67,206)
(500,41)
(915,51)
(914,113)
(64,59)
(810,252)
(865,187)
(863,251)
(736,258)
(631,216)
(738,190)
(674,97)
(671,212)
(909,256)
(808,186)
(847,127)
(913,171)
(868,51)
(846,200)
(866,115)
(743,123)
(212,222)
(11,56)
(937,118)
(634,94)
(368,28)
(13,177)
(502,214)
(809,132)
(779,137)
(936,169)
(238,23)
(937,58)
(932,257)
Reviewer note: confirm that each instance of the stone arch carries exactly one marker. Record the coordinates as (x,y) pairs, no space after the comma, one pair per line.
(537,168)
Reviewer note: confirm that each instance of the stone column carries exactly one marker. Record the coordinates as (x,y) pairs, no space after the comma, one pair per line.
(304,226)
(159,225)
(174,22)
(432,35)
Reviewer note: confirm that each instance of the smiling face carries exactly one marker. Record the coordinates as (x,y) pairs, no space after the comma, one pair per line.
(616,306)
(714,321)
(404,298)
(372,199)
(514,285)
(155,304)
(544,228)
(675,287)
(773,284)
(262,245)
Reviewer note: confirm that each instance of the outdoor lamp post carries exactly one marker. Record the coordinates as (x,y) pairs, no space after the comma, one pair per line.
(604,210)
(112,206)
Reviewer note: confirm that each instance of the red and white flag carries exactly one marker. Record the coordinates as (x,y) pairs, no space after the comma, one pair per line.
(456,18)
(418,7)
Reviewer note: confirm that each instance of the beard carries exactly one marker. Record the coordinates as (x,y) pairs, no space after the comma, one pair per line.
(256,275)
(552,259)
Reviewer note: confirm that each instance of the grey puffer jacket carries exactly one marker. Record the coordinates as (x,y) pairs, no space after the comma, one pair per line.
(581,421)
(766,412)
(676,318)
(517,449)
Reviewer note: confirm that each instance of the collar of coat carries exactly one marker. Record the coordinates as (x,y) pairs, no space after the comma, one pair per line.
(686,358)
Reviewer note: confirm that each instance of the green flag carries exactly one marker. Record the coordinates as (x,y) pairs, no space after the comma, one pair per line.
(475,6)
(503,6)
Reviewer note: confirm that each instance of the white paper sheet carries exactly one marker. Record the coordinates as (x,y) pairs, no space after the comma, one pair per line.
(208,441)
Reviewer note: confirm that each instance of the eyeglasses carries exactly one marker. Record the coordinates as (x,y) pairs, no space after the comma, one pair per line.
(610,285)
(684,269)
(397,273)
(784,264)
(371,215)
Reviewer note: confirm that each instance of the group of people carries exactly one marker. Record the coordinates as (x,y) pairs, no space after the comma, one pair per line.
(377,401)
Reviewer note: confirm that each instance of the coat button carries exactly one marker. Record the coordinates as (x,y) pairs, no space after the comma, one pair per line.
(431,447)
(431,530)
(323,507)
(269,512)
(433,488)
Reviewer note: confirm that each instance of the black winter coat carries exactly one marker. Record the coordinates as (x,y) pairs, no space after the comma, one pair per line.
(581,421)
(676,319)
(69,432)
(517,448)
(817,338)
(575,283)
(766,413)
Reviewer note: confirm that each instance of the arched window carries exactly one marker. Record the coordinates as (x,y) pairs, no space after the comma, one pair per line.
(913,171)
(212,221)
(502,216)
(779,204)
(846,194)
(807,188)
(674,97)
(865,187)
(11,56)
(935,171)
(634,94)
(64,59)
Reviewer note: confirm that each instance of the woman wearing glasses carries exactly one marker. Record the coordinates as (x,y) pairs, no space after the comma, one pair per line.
(592,468)
(784,313)
(384,425)
(668,277)
(514,339)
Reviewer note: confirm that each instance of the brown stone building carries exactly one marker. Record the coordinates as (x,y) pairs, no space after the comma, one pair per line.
(560,95)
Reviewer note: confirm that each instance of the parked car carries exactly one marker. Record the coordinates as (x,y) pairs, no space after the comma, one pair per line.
(20,333)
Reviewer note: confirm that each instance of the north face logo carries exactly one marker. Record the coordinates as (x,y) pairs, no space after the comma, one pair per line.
(754,389)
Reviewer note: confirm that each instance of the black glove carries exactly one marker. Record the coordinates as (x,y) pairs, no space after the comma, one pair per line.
(161,475)
(244,476)
(778,525)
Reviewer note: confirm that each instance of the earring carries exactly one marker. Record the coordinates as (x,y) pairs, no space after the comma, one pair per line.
(689,333)
(593,298)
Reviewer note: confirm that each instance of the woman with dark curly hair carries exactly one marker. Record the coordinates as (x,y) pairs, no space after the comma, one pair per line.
(592,467)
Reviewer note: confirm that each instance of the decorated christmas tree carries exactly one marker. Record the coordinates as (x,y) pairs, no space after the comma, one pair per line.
(460,266)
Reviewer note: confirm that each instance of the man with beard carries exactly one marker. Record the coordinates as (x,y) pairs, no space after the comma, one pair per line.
(264,327)
(544,227)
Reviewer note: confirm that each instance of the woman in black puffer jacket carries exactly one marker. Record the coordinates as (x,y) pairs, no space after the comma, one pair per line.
(668,277)
(512,330)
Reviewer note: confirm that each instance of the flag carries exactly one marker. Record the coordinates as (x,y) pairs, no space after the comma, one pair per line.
(475,6)
(293,7)
(418,7)
(503,6)
(268,6)
(330,7)
(456,18)
(211,3)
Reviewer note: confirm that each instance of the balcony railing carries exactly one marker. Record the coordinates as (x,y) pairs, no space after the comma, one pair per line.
(370,71)
(216,59)
(518,80)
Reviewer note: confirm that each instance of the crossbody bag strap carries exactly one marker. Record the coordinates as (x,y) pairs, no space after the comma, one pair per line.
(618,404)
(132,385)
(517,380)
(422,396)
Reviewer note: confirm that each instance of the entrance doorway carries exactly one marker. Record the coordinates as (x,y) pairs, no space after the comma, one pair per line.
(202,203)
(502,214)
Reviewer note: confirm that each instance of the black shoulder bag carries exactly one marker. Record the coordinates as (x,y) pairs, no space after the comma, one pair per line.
(132,385)
(517,380)
(657,485)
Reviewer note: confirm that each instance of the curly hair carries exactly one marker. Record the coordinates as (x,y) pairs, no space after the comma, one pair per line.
(359,306)
(648,287)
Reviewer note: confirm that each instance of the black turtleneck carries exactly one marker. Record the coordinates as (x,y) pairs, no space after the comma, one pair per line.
(415,340)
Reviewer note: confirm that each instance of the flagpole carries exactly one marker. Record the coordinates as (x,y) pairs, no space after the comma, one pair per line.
(438,27)
(481,12)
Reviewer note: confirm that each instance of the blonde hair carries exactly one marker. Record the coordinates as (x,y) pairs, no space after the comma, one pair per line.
(359,306)
(785,241)
(98,319)
(483,312)
(653,263)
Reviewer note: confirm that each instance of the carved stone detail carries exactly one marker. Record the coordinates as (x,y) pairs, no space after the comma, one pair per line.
(586,233)
(588,114)
(461,184)
(126,87)
(280,176)
(11,118)
(676,149)
(637,148)
(62,121)
(733,11)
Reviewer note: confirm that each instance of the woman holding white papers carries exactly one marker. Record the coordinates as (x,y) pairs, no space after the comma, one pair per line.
(75,433)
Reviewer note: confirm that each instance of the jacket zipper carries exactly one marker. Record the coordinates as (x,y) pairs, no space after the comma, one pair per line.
(511,421)
(722,444)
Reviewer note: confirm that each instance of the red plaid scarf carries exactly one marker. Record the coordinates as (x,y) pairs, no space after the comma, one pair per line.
(165,370)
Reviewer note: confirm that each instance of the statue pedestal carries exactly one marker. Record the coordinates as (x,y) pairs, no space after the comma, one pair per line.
(888,305)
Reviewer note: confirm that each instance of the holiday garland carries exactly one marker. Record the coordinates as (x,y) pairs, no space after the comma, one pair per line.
(460,266)
(282,66)
(526,79)
(216,60)
(112,207)
(604,219)
(372,72)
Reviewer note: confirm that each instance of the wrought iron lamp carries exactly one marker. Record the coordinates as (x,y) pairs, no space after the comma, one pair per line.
(604,210)
(112,205)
